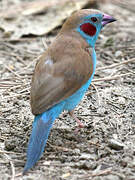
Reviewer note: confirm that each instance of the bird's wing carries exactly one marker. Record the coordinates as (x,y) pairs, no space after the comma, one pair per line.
(54,81)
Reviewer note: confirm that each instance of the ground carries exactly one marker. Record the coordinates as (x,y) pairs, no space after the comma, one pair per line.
(105,148)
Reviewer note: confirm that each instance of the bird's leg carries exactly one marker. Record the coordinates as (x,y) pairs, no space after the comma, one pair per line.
(80,124)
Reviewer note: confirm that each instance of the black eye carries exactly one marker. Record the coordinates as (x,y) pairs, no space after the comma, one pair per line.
(94,19)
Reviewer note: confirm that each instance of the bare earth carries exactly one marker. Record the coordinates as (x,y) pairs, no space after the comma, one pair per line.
(105,148)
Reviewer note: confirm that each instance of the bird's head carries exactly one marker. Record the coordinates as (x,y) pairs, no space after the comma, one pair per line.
(88,22)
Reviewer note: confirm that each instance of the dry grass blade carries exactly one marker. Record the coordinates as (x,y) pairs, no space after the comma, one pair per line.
(13,72)
(116,65)
(44,43)
(97,93)
(16,95)
(31,63)
(9,152)
(112,77)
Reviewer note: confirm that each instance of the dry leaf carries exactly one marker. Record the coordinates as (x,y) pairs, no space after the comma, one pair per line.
(42,23)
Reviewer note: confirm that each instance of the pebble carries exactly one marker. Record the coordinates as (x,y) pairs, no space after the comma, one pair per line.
(87,165)
(114,144)
(118,53)
(87,156)
(77,151)
(121,100)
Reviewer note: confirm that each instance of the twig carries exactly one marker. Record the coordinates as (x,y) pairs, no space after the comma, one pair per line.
(4,119)
(5,85)
(18,175)
(59,148)
(8,82)
(89,93)
(112,78)
(18,49)
(17,40)
(95,114)
(12,85)
(26,89)
(130,98)
(112,103)
(25,94)
(116,64)
(13,72)
(7,109)
(97,93)
(104,172)
(125,108)
(9,152)
(115,111)
(8,79)
(44,43)
(35,60)
(100,173)
(12,166)
(18,86)
(95,144)
(18,58)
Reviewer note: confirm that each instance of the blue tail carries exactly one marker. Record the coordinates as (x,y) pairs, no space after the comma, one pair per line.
(40,131)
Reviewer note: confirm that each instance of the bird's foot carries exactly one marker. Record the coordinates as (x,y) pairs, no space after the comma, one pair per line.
(80,124)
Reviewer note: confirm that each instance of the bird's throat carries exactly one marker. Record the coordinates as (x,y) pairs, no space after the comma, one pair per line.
(88,29)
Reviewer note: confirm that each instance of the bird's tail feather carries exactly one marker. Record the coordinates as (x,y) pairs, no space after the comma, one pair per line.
(40,131)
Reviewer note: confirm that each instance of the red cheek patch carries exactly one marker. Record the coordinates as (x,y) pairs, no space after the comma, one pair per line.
(88,29)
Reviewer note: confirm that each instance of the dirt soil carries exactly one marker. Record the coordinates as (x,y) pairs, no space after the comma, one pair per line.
(105,148)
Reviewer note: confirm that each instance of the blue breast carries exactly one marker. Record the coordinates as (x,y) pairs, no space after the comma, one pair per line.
(72,101)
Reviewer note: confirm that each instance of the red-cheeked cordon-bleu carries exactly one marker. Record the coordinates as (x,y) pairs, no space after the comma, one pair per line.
(62,75)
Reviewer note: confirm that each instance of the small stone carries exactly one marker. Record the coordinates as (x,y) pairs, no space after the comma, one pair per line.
(118,53)
(121,100)
(87,156)
(58,142)
(101,111)
(77,151)
(87,165)
(66,175)
(47,163)
(114,144)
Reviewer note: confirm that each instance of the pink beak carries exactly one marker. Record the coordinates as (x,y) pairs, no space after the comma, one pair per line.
(107,19)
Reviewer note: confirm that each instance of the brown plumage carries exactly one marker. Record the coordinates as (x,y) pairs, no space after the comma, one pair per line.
(69,67)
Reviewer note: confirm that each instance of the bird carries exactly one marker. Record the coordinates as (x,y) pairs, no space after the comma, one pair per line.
(62,75)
